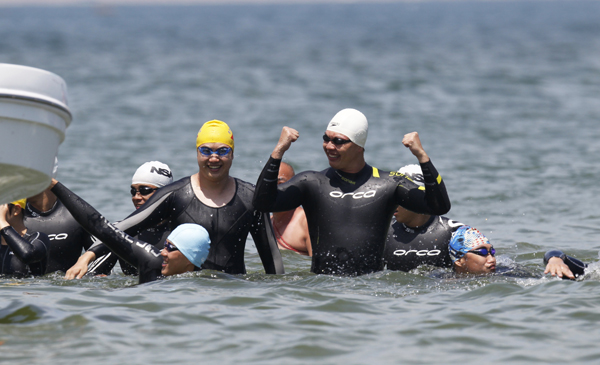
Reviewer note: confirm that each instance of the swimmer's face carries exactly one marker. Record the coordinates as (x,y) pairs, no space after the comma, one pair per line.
(472,263)
(286,172)
(214,167)
(138,199)
(404,216)
(174,262)
(342,157)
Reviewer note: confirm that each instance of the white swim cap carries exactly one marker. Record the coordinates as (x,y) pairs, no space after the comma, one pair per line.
(153,173)
(414,173)
(351,123)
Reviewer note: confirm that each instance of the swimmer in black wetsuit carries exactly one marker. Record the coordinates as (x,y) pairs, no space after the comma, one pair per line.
(148,178)
(563,266)
(418,239)
(220,203)
(184,250)
(350,205)
(22,252)
(45,213)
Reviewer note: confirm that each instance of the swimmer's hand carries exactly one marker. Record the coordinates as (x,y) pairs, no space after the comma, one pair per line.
(52,183)
(81,266)
(557,267)
(288,136)
(413,143)
(4,216)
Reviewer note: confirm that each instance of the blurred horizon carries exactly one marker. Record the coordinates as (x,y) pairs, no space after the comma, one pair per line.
(21,3)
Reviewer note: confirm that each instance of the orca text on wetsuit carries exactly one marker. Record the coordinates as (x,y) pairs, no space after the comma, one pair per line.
(348,215)
(67,238)
(409,247)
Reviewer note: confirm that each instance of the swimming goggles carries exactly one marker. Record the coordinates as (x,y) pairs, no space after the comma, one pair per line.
(143,190)
(205,151)
(336,141)
(483,251)
(170,247)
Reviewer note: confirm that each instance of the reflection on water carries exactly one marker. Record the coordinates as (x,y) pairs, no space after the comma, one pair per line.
(503,95)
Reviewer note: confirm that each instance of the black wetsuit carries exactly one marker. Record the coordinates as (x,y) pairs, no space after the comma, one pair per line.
(228,226)
(104,264)
(140,254)
(349,215)
(407,248)
(67,238)
(576,266)
(22,256)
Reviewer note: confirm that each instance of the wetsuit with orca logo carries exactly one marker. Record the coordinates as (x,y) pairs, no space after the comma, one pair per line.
(228,226)
(407,248)
(67,238)
(22,256)
(349,215)
(142,255)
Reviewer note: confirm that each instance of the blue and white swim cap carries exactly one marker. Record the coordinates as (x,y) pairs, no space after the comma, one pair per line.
(193,242)
(463,240)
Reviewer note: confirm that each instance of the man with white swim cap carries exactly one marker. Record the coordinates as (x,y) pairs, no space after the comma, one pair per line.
(99,260)
(349,206)
(215,200)
(185,249)
(23,252)
(45,213)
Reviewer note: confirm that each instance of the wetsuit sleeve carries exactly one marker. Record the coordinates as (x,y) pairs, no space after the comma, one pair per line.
(435,201)
(137,253)
(27,252)
(266,245)
(576,266)
(268,197)
(151,214)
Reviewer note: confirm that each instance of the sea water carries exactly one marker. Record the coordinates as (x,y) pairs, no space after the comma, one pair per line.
(504,96)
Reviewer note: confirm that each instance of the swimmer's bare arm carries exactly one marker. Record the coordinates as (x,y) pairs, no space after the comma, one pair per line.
(288,136)
(557,267)
(413,143)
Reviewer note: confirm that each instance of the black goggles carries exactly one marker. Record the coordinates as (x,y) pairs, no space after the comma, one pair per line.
(484,251)
(170,247)
(143,190)
(336,141)
(205,151)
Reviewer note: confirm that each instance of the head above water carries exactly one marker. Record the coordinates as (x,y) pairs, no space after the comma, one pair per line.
(286,172)
(193,242)
(215,131)
(462,244)
(351,123)
(153,173)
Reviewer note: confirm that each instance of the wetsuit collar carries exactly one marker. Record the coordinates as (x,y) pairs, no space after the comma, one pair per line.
(357,178)
(420,229)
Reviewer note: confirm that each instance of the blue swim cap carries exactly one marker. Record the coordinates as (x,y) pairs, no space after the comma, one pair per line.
(464,240)
(193,242)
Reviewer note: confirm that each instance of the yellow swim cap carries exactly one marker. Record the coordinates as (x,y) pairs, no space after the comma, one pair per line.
(215,131)
(20,203)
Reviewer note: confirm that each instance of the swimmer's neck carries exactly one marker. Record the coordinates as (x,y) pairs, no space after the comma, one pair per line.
(44,201)
(416,221)
(214,193)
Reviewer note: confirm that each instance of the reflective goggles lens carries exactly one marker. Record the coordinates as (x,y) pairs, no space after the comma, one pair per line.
(205,151)
(484,251)
(143,190)
(170,247)
(336,141)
